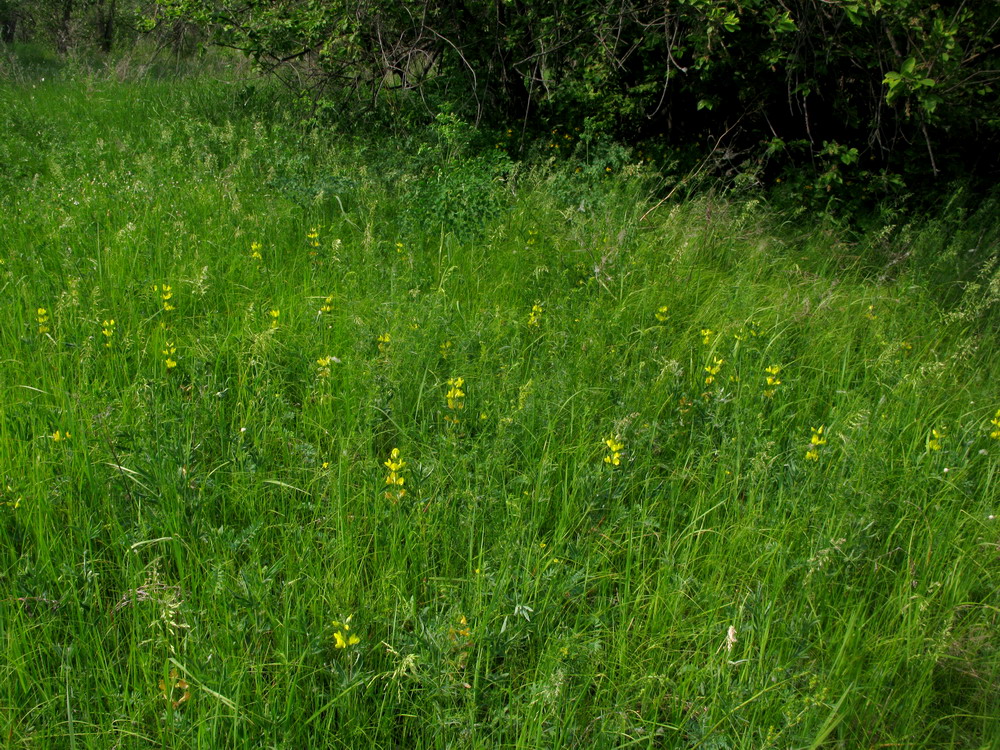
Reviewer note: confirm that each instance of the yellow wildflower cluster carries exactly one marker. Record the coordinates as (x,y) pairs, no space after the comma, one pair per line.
(772,380)
(275,314)
(327,306)
(661,313)
(168,352)
(108,330)
(613,457)
(342,635)
(995,434)
(713,370)
(43,321)
(399,247)
(445,349)
(455,395)
(323,365)
(706,336)
(817,439)
(58,437)
(255,248)
(934,441)
(383,341)
(395,478)
(166,293)
(461,630)
(535,316)
(313,237)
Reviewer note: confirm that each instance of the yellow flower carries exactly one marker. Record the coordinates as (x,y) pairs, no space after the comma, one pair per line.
(934,441)
(772,380)
(535,315)
(614,455)
(383,341)
(462,630)
(395,478)
(168,353)
(313,237)
(995,434)
(59,437)
(323,365)
(661,313)
(706,335)
(255,251)
(399,247)
(817,439)
(43,321)
(108,330)
(713,370)
(455,395)
(342,636)
(166,294)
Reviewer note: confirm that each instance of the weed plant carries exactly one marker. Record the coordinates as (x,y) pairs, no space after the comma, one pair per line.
(303,446)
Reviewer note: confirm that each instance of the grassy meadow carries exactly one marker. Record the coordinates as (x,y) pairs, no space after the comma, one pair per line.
(311,439)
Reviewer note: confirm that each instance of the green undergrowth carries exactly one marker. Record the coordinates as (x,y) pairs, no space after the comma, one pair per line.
(712,475)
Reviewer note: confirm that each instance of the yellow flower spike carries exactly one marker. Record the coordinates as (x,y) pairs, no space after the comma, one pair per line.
(661,313)
(713,370)
(395,479)
(772,380)
(614,455)
(168,353)
(383,341)
(342,636)
(815,441)
(934,441)
(706,335)
(535,316)
(455,394)
(166,294)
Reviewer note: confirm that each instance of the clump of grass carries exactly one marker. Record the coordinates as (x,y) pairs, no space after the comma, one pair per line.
(307,471)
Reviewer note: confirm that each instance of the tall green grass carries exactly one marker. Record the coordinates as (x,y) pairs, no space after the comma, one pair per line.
(618,535)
